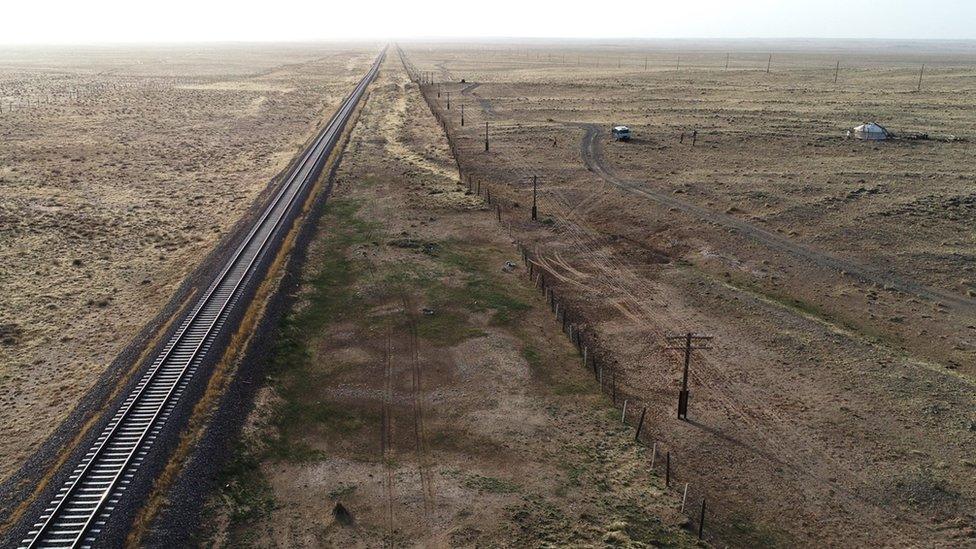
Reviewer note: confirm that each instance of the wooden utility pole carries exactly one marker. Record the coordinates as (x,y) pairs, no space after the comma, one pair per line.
(462,115)
(689,345)
(920,73)
(836,71)
(677,64)
(769,63)
(535,211)
(486,136)
(727,56)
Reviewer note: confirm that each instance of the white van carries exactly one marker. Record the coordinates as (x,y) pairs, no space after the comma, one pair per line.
(620,133)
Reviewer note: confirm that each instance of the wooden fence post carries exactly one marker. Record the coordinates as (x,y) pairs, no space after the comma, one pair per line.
(640,425)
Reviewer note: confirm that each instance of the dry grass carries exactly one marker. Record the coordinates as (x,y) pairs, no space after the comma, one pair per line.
(825,394)
(479,448)
(121,174)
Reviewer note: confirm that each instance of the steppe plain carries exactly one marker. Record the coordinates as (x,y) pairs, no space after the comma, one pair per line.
(120,170)
(835,404)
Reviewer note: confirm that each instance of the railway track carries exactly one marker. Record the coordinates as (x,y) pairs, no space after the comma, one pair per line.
(82,508)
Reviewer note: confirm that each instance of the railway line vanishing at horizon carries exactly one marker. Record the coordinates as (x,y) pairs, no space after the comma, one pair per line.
(82,508)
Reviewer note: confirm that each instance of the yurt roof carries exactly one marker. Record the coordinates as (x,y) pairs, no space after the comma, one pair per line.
(871,127)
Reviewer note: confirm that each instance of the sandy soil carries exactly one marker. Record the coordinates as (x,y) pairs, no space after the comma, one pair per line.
(424,388)
(120,170)
(836,403)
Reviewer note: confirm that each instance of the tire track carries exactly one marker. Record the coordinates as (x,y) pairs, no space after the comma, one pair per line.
(386,439)
(592,155)
(417,393)
(470,88)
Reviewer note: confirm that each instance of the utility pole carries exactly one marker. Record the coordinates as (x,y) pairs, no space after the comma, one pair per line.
(769,63)
(690,341)
(448,100)
(486,136)
(920,73)
(836,71)
(462,115)
(727,56)
(535,211)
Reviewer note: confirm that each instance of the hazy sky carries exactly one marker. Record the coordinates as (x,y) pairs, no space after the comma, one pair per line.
(70,21)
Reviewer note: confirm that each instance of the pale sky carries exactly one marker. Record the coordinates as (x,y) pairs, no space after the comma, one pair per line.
(100,21)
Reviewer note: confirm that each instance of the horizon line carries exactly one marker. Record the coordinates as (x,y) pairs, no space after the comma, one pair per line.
(459,39)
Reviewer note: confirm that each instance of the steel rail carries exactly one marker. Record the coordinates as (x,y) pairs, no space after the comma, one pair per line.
(101,477)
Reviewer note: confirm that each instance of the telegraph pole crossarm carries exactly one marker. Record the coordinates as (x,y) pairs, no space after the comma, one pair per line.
(687,342)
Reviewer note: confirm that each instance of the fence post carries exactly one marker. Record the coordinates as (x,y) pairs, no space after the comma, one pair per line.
(640,425)
(667,469)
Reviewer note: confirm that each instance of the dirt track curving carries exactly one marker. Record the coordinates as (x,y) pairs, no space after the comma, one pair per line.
(592,155)
(821,416)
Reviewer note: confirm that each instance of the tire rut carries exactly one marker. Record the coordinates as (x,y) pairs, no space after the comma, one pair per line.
(592,155)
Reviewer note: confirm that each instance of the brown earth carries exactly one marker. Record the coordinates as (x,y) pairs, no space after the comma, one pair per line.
(836,403)
(421,384)
(120,170)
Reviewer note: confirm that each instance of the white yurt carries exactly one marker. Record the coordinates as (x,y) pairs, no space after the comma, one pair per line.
(871,131)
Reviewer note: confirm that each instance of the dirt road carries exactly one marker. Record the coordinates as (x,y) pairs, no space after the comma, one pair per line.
(592,155)
(806,429)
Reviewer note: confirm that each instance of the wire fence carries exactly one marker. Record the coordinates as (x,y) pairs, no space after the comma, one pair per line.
(707,517)
(676,463)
